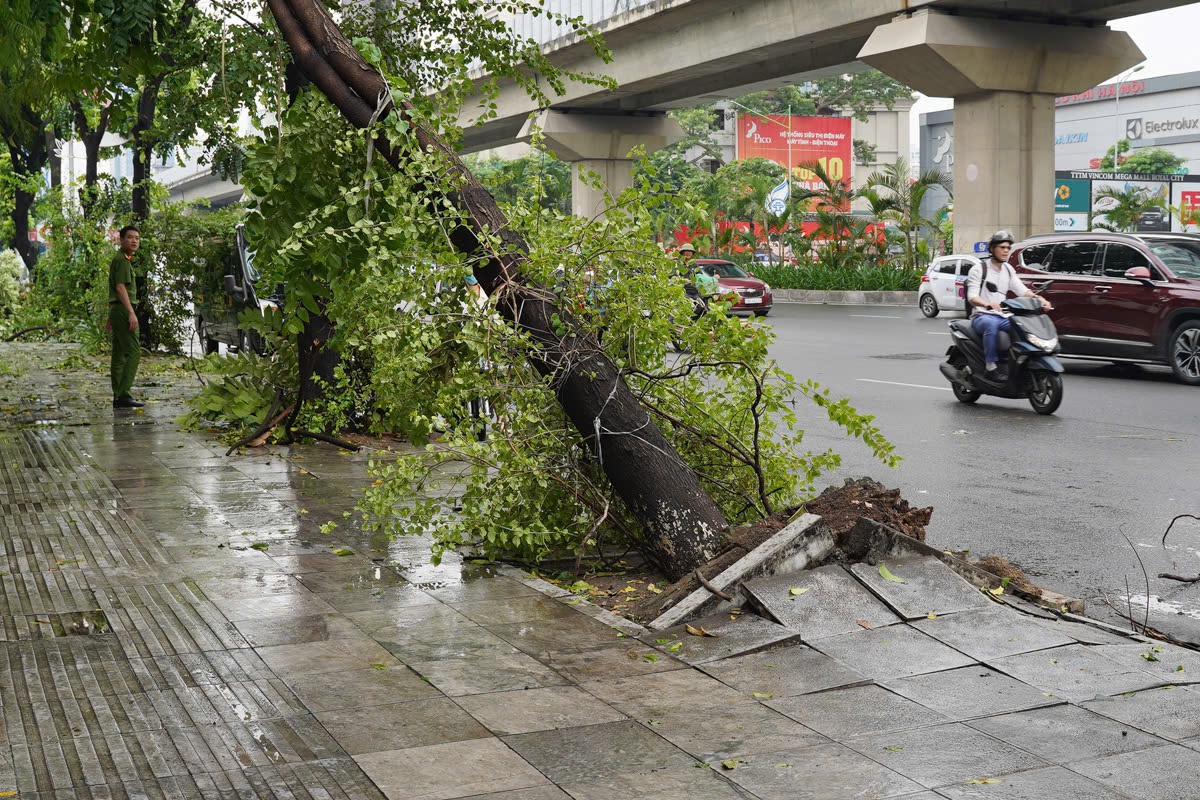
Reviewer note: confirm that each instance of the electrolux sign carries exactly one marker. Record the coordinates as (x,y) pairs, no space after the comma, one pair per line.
(1143,128)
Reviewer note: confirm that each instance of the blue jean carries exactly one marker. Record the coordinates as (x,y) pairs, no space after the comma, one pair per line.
(989,326)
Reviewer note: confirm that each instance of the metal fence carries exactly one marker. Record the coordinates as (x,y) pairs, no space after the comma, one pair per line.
(593,12)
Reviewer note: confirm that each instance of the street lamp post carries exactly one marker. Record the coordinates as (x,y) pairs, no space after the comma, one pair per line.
(1117,112)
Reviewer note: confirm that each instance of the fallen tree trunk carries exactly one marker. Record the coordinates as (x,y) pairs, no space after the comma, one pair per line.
(684,527)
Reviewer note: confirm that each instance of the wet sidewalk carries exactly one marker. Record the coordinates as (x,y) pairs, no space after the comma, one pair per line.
(175,624)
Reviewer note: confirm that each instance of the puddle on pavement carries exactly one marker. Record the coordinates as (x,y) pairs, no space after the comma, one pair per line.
(71,623)
(1163,607)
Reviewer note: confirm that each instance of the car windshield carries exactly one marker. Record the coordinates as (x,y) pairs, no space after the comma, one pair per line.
(726,269)
(1182,258)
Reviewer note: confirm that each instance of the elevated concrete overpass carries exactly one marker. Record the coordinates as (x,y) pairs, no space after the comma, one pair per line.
(1003,61)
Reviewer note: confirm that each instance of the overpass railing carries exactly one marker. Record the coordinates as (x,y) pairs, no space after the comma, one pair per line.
(593,12)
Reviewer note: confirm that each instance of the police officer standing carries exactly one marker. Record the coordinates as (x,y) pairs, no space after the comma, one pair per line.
(122,321)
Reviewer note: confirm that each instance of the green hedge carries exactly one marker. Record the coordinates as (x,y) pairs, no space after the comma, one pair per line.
(817,277)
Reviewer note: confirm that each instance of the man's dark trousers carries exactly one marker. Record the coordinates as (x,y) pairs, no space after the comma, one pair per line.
(126,351)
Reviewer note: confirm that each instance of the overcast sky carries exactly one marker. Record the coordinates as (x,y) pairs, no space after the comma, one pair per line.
(1168,38)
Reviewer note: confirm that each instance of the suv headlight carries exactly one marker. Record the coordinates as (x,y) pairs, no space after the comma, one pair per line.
(1049,345)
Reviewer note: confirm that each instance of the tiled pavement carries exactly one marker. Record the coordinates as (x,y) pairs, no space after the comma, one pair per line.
(147,650)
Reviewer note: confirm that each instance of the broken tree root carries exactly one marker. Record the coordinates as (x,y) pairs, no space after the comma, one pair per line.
(710,587)
(1168,575)
(323,437)
(1172,525)
(24,331)
(271,419)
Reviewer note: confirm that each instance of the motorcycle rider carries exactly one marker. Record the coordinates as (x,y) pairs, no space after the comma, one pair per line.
(988,285)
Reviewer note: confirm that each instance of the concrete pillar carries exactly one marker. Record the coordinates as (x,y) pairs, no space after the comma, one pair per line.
(599,143)
(1003,77)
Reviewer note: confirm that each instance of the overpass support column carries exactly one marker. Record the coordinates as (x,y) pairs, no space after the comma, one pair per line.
(1003,77)
(600,143)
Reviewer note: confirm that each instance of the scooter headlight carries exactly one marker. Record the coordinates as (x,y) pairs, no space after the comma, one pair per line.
(1049,345)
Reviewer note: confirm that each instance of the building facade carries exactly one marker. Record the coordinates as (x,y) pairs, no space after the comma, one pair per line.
(1151,113)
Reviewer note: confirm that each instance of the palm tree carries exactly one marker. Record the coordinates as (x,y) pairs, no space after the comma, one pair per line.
(898,199)
(1127,205)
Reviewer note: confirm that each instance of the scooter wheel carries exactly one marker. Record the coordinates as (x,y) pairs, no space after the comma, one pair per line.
(1045,391)
(963,394)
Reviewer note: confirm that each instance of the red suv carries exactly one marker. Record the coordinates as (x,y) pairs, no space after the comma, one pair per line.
(1119,296)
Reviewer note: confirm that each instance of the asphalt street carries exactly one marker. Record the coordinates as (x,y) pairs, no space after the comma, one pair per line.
(1056,495)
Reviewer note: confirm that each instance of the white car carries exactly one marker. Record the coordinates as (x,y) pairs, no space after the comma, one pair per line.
(944,284)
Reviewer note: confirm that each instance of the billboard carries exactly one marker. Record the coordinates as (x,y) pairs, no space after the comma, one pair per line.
(1078,199)
(794,141)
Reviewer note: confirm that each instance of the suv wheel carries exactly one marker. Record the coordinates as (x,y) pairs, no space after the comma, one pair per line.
(1184,352)
(929,306)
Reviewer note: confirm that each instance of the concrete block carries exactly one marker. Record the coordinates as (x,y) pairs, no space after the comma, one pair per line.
(802,542)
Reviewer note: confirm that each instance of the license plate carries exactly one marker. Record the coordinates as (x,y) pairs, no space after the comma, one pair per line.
(752,301)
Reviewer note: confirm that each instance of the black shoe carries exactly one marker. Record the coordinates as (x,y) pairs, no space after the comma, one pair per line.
(127,402)
(997,375)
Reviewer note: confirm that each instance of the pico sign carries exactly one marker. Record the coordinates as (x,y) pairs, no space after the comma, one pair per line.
(794,141)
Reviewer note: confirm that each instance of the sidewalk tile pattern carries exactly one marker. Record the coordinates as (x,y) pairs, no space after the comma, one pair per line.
(178,624)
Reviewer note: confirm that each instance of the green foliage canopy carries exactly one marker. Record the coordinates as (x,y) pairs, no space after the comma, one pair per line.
(1147,160)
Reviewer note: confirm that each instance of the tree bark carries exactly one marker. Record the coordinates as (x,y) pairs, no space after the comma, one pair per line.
(91,138)
(683,527)
(143,156)
(27,151)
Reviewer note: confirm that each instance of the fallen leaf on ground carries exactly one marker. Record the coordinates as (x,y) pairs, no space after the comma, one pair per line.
(650,587)
(675,648)
(796,592)
(887,575)
(895,748)
(694,631)
(732,763)
(864,623)
(341,551)
(762,695)
(987,780)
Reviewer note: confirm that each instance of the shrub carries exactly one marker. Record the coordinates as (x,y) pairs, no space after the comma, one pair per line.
(11,270)
(872,278)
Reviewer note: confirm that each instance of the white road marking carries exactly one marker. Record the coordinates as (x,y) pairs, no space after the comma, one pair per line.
(872,316)
(938,333)
(913,385)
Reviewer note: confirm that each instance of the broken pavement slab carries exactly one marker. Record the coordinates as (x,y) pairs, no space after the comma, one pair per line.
(819,602)
(919,586)
(804,541)
(731,635)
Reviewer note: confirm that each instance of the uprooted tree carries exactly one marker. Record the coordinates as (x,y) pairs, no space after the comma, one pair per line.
(614,399)
(686,528)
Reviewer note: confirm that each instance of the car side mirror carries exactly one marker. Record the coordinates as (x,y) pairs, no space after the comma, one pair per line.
(233,290)
(1139,274)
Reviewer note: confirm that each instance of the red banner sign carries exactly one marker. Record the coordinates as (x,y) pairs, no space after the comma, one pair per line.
(794,142)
